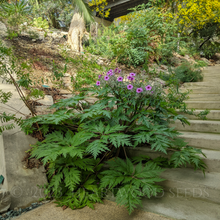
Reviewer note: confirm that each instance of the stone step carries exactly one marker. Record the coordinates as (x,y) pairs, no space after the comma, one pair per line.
(194,183)
(212,70)
(182,207)
(200,84)
(199,126)
(209,78)
(204,97)
(202,140)
(187,196)
(212,105)
(213,115)
(212,159)
(207,73)
(202,90)
(20,181)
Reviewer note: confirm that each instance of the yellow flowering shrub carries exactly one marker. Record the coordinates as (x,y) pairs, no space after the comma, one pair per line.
(129,17)
(136,14)
(99,7)
(196,14)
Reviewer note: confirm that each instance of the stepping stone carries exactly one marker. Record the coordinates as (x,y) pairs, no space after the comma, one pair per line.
(5,200)
(19,181)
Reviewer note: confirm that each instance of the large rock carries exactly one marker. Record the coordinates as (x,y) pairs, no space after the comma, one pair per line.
(47,100)
(3,30)
(21,182)
(5,200)
(206,61)
(217,55)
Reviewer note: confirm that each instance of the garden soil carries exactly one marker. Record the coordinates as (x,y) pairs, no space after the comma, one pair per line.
(107,211)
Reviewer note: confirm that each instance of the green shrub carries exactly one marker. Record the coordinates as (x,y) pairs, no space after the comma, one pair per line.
(149,34)
(210,49)
(40,23)
(102,45)
(200,63)
(187,73)
(77,144)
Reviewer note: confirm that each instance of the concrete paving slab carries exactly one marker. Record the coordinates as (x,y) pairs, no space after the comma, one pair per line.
(199,126)
(212,105)
(5,200)
(202,90)
(21,182)
(199,84)
(47,100)
(213,115)
(2,164)
(204,97)
(202,140)
(193,183)
(211,70)
(107,211)
(182,207)
(212,159)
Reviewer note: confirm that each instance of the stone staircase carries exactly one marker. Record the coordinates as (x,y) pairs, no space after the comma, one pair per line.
(189,194)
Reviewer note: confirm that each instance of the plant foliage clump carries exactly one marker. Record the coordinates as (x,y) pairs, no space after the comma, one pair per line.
(186,72)
(148,33)
(87,147)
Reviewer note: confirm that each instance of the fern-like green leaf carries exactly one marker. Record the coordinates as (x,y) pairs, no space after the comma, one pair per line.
(129,196)
(71,177)
(96,147)
(120,139)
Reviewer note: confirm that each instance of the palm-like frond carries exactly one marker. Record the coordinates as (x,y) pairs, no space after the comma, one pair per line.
(84,9)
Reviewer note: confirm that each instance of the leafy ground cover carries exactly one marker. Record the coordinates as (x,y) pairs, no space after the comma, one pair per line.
(85,147)
(77,145)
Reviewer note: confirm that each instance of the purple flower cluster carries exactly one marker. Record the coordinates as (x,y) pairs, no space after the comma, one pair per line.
(131,77)
(117,70)
(120,79)
(139,90)
(106,78)
(130,87)
(110,72)
(148,88)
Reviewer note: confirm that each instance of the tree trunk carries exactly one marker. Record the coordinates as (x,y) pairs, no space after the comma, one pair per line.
(76,32)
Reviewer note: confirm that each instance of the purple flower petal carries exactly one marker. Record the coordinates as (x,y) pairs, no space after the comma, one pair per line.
(148,88)
(120,79)
(98,83)
(119,71)
(129,86)
(132,74)
(116,70)
(100,76)
(139,90)
(130,78)
(106,78)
